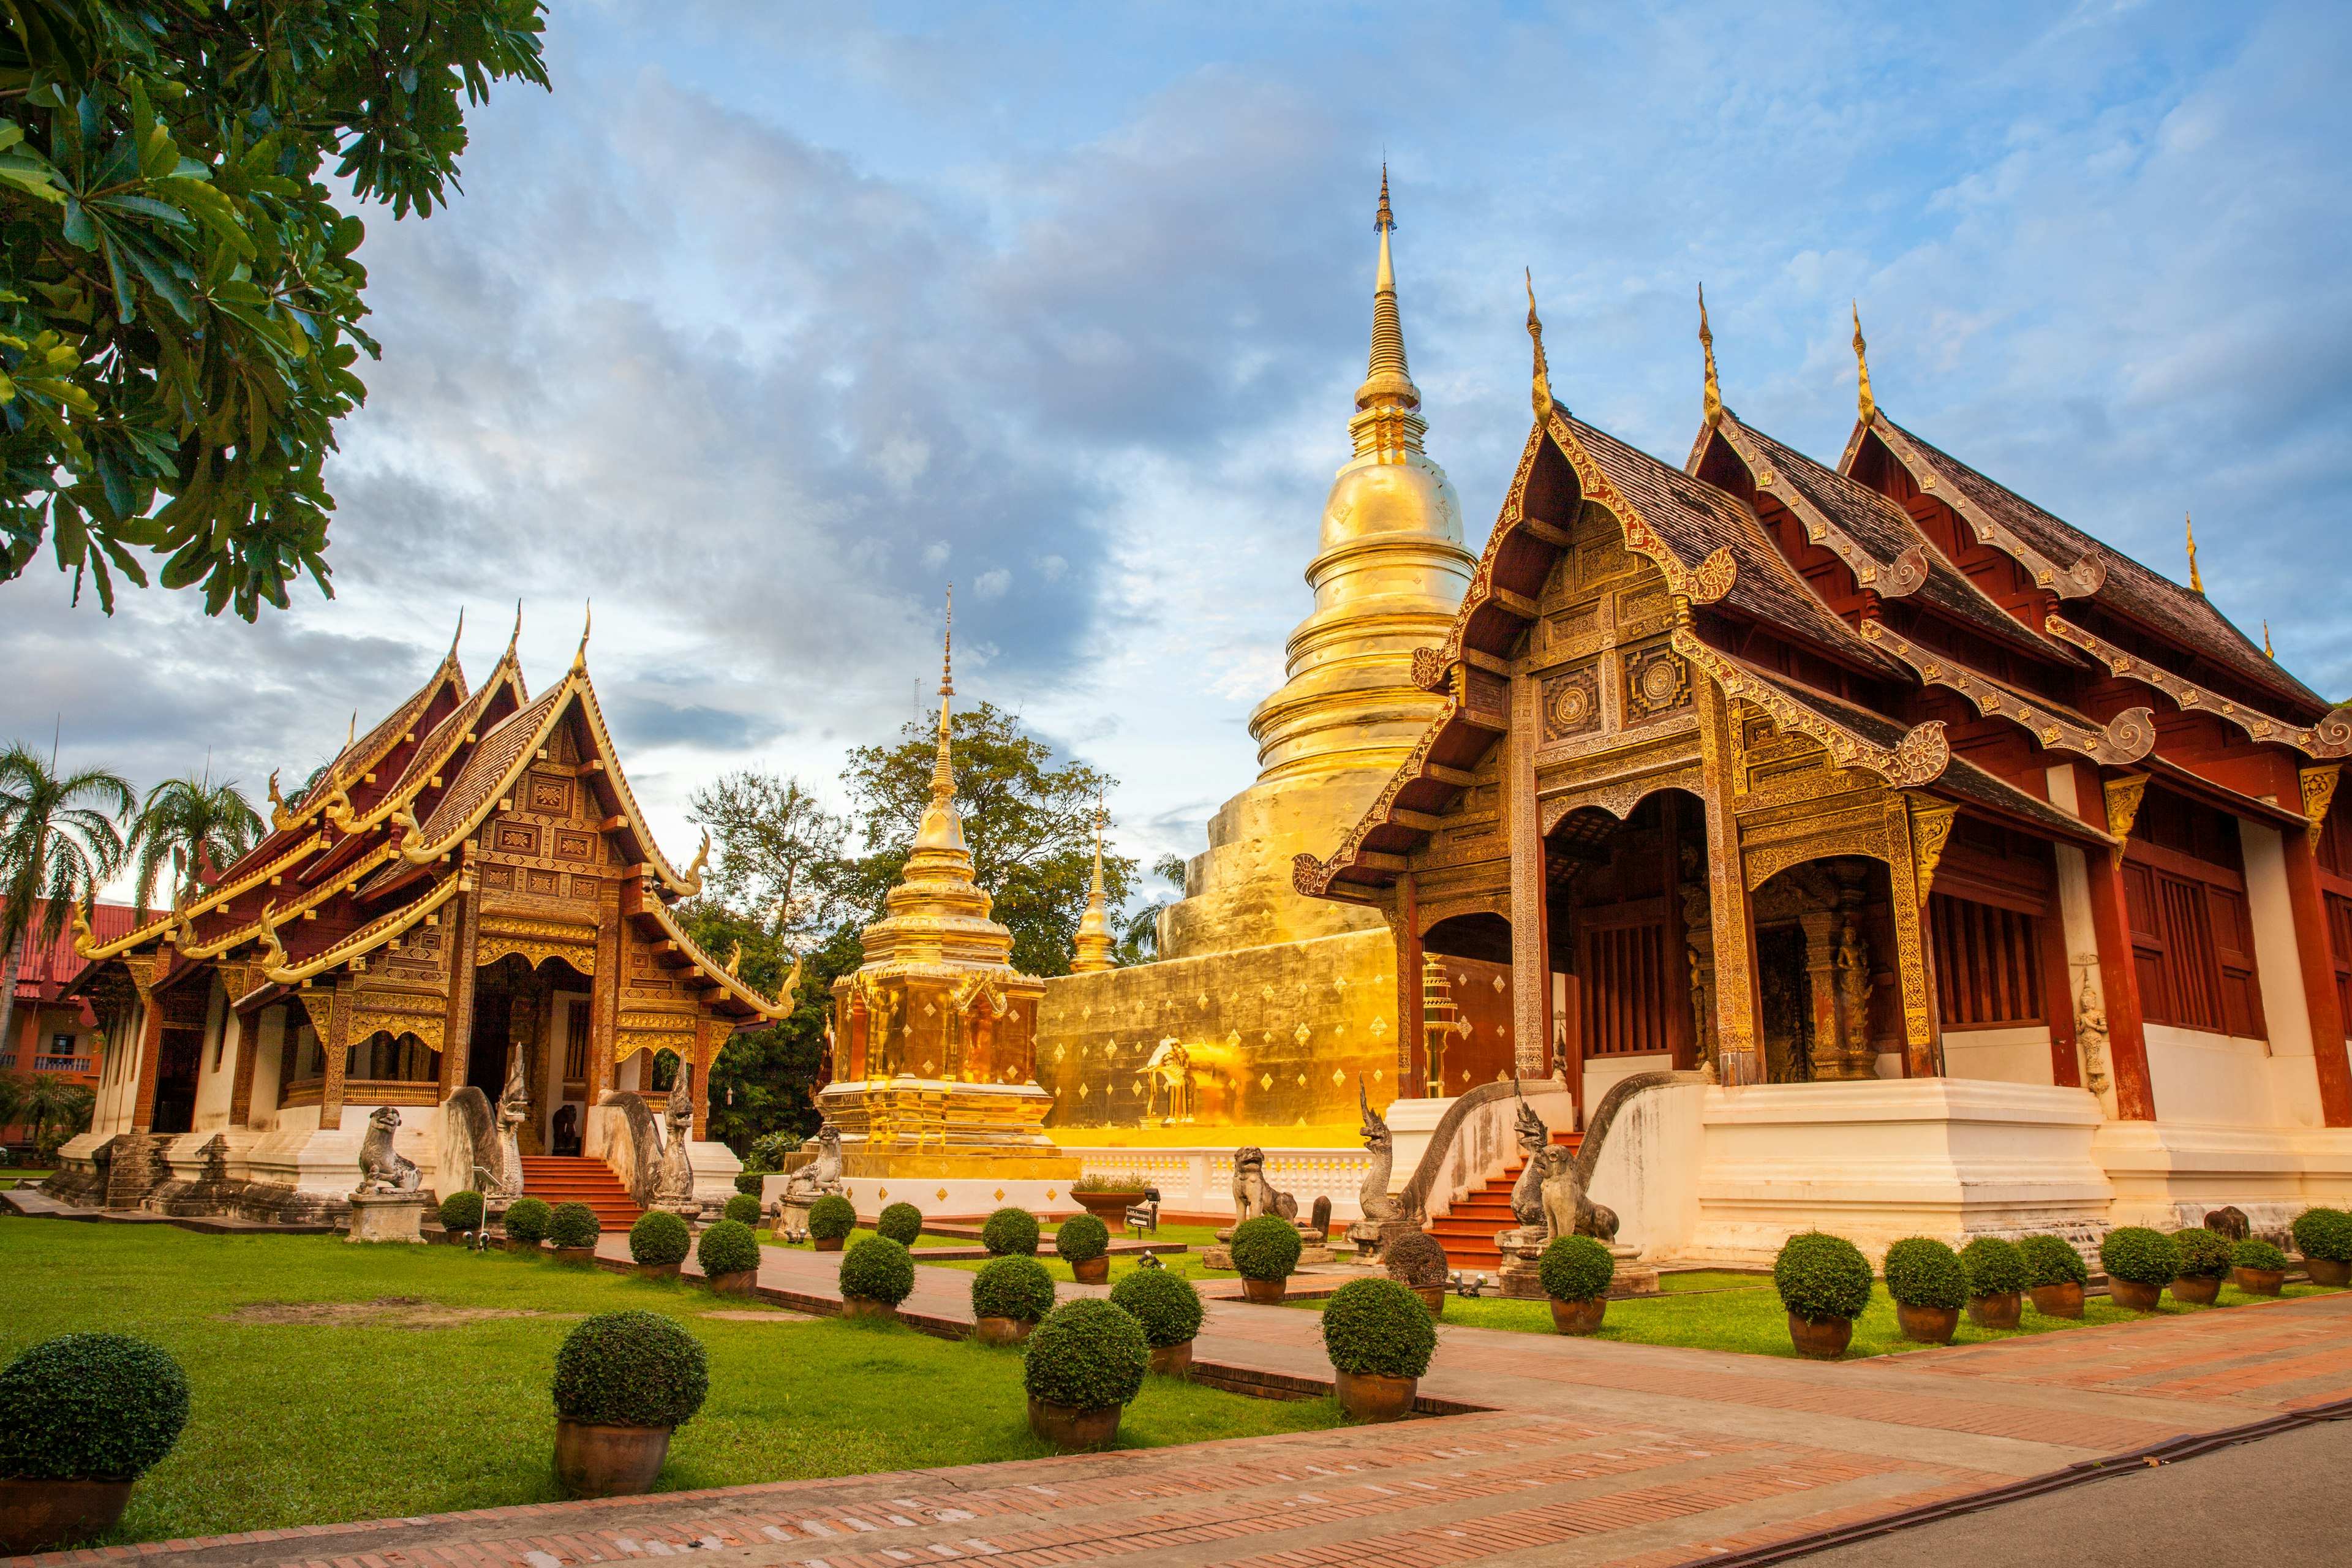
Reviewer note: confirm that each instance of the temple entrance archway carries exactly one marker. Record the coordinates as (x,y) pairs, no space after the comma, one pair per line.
(1467,1004)
(1825,973)
(1627,918)
(542,1012)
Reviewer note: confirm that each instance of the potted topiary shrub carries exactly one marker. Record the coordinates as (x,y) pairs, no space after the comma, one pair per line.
(1824,1284)
(1416,1260)
(659,1242)
(1168,1307)
(1083,1243)
(1085,1363)
(461,1213)
(526,1222)
(2055,1274)
(1108,1198)
(902,1222)
(750,1182)
(2204,1264)
(2139,1263)
(2257,1268)
(830,1220)
(875,1276)
(1266,1249)
(1379,1336)
(1009,1298)
(1930,1285)
(1996,1272)
(82,1417)
(729,1253)
(743,1209)
(624,1382)
(1008,1231)
(2324,1236)
(1575,1271)
(573,1228)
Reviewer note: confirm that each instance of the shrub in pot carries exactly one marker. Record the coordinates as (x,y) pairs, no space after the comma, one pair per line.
(1930,1285)
(2055,1274)
(1575,1271)
(624,1382)
(1108,1198)
(729,1253)
(875,1276)
(2204,1263)
(2324,1236)
(1416,1260)
(1824,1284)
(831,1218)
(1379,1336)
(1266,1249)
(82,1417)
(902,1222)
(573,1228)
(742,1208)
(1009,1296)
(1168,1307)
(2257,1268)
(659,1242)
(1085,1363)
(1008,1231)
(2139,1263)
(750,1182)
(526,1222)
(1997,1276)
(1083,1243)
(460,1213)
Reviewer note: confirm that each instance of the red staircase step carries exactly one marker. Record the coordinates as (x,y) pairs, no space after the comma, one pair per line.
(567,1178)
(1469,1231)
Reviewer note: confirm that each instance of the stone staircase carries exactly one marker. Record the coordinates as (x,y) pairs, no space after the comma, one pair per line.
(572,1179)
(1468,1231)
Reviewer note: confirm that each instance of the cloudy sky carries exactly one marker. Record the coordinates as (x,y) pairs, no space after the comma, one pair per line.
(774,318)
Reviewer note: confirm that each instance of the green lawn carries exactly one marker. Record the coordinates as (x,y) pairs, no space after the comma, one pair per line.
(405,1408)
(1754,1321)
(1187,1264)
(10,1176)
(1710,1279)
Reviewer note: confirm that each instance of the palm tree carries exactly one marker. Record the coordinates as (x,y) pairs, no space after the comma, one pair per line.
(57,842)
(48,1098)
(197,826)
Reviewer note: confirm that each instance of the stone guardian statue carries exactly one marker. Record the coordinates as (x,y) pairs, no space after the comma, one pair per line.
(674,1188)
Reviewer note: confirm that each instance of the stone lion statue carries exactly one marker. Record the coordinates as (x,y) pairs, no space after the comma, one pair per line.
(1253,1193)
(816,1180)
(1566,1208)
(383,1168)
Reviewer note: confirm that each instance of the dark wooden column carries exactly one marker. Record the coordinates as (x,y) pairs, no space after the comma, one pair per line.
(2118,975)
(1677,944)
(1523,833)
(1410,1002)
(150,1042)
(237,981)
(2058,991)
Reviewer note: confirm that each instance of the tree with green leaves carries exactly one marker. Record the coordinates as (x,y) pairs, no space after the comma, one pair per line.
(180,290)
(58,841)
(778,853)
(56,1107)
(197,827)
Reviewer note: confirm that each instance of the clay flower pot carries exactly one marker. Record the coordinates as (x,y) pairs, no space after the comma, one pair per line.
(1172,1360)
(1996,1312)
(43,1515)
(514,1245)
(1109,1207)
(828,1243)
(2259,1281)
(1374,1396)
(866,1307)
(658,1270)
(993,1330)
(2138,1297)
(1068,1429)
(2058,1301)
(2329,1270)
(1929,1325)
(1264,1292)
(2196,1292)
(1820,1342)
(574,1254)
(1093,1271)
(1431,1297)
(1578,1317)
(608,1461)
(742,1282)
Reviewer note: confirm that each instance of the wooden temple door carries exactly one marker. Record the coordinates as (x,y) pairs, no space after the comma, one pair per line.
(1628,991)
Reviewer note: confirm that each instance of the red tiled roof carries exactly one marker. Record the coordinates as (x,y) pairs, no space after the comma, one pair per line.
(52,964)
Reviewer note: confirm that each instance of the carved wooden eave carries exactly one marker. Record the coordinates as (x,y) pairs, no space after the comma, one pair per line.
(2128,737)
(2196,786)
(2076,579)
(1918,757)
(654,919)
(345,881)
(430,763)
(2328,740)
(364,754)
(359,943)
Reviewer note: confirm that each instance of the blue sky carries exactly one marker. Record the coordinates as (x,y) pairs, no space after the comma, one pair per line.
(773,318)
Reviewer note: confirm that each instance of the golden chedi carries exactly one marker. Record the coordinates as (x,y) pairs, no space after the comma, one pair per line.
(1267,1005)
(936,1099)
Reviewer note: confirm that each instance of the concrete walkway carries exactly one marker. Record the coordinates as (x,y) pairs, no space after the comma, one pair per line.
(1565,1452)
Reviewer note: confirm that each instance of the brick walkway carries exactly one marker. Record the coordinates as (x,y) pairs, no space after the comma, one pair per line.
(1572,1452)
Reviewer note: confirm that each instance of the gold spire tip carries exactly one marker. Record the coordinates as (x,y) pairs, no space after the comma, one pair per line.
(1540,392)
(587,619)
(2196,583)
(1865,405)
(1384,219)
(2268,652)
(946,655)
(1707,345)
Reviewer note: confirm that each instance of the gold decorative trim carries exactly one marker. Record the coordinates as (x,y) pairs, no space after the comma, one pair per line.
(365,939)
(428,1027)
(2081,579)
(1705,584)
(1898,579)
(2124,796)
(1931,829)
(537,941)
(2319,793)
(2330,738)
(2127,738)
(1920,757)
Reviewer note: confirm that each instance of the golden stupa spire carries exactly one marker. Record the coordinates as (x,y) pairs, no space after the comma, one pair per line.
(1540,394)
(1385,422)
(942,827)
(2196,583)
(1092,949)
(1706,346)
(1865,405)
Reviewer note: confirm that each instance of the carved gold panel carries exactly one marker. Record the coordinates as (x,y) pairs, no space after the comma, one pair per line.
(1571,703)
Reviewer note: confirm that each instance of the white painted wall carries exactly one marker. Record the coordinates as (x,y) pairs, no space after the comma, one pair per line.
(2294,1075)
(2208,1079)
(2019,1055)
(269,1045)
(1649,1168)
(216,1069)
(1602,1074)
(2081,934)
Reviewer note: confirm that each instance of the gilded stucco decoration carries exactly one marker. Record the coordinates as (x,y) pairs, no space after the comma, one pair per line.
(1920,757)
(2319,793)
(2124,796)
(536,941)
(1931,829)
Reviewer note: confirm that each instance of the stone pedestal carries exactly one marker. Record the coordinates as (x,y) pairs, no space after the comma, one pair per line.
(1221,1255)
(1523,1253)
(387,1216)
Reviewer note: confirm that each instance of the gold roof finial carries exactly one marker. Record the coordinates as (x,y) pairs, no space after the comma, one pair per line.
(1385,421)
(351,735)
(2268,652)
(1541,392)
(1384,220)
(2196,583)
(1707,345)
(587,617)
(1865,405)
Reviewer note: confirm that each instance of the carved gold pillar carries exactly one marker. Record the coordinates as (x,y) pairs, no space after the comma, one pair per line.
(464,928)
(1918,828)
(1739,1022)
(338,1044)
(526,1033)
(1523,830)
(151,1043)
(605,993)
(1826,1050)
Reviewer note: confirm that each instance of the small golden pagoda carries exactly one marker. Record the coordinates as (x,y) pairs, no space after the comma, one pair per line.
(938,1088)
(1090,951)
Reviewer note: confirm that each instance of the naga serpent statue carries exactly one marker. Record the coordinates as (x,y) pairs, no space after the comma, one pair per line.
(676,1183)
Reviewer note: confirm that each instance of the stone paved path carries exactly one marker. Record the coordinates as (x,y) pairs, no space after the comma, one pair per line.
(1568,1452)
